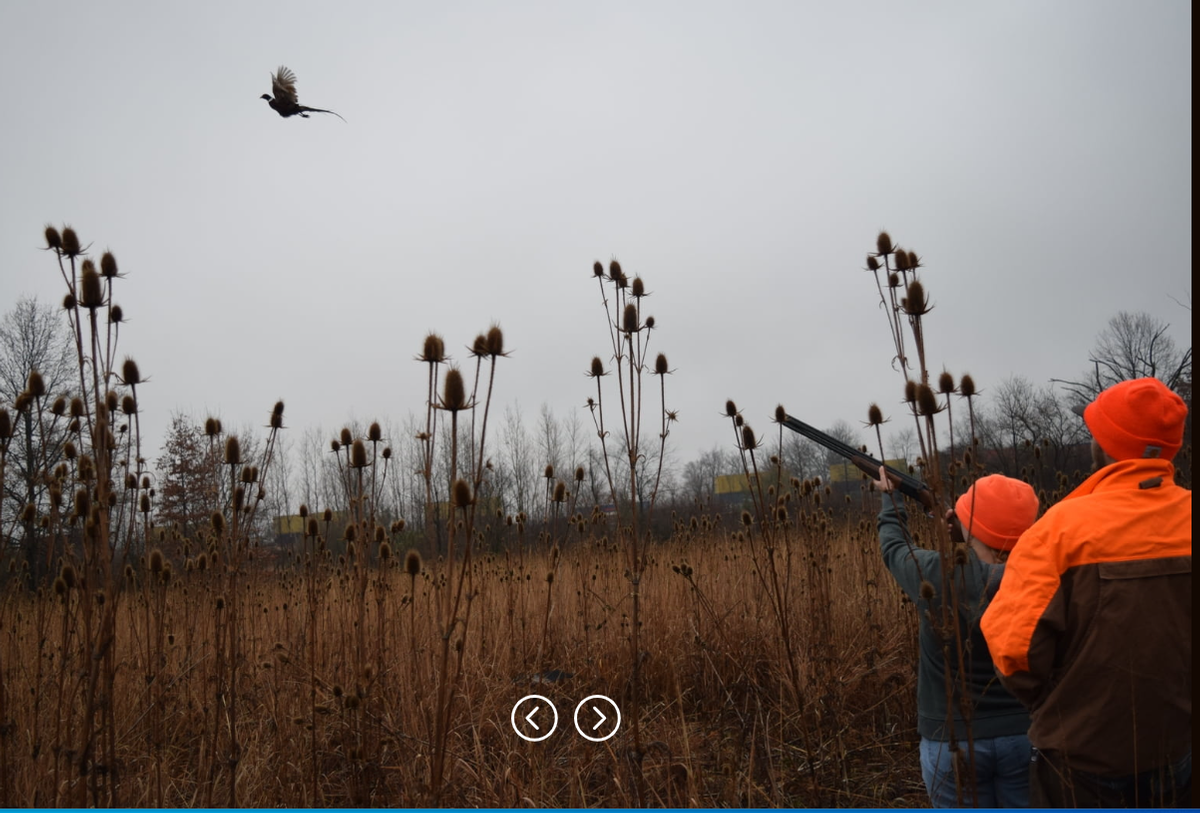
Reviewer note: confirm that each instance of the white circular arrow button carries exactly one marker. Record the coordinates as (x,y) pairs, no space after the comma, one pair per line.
(597,718)
(529,718)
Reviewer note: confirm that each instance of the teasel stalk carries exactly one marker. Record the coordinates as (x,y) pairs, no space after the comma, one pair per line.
(924,405)
(629,336)
(433,353)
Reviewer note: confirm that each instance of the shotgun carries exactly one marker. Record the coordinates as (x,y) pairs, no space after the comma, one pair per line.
(907,484)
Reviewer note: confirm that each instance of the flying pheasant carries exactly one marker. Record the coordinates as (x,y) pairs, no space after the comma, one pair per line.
(283,83)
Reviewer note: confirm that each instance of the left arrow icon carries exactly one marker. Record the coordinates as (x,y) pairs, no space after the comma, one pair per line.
(522,717)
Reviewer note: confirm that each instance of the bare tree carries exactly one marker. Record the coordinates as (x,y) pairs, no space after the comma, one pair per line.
(518,459)
(1131,345)
(32,338)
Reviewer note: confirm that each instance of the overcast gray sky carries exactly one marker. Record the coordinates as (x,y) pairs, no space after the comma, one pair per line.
(741,157)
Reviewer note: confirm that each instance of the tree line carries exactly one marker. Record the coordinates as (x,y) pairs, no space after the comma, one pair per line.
(1018,428)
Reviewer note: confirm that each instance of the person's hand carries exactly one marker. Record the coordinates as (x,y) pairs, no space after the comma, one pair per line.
(954,527)
(886,482)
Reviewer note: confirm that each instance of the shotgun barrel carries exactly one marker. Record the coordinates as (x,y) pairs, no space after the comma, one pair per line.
(907,484)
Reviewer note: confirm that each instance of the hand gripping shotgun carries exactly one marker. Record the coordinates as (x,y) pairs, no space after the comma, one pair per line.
(907,484)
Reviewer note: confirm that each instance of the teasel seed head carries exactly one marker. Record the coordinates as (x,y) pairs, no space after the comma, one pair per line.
(747,520)
(462,493)
(927,403)
(397,526)
(945,383)
(70,242)
(311,529)
(385,551)
(479,346)
(434,349)
(387,453)
(59,407)
(210,427)
(454,392)
(901,260)
(650,323)
(374,433)
(748,437)
(68,575)
(597,367)
(335,445)
(872,263)
(91,290)
(874,415)
(358,455)
(60,587)
(129,405)
(548,472)
(69,302)
(629,321)
(116,315)
(597,267)
(53,238)
(910,391)
(730,409)
(108,265)
(738,420)
(146,484)
(156,561)
(412,563)
(639,287)
(276,421)
(916,304)
(966,386)
(327,515)
(22,402)
(614,270)
(926,590)
(144,503)
(495,341)
(36,384)
(883,243)
(660,364)
(560,491)
(217,521)
(579,474)
(233,451)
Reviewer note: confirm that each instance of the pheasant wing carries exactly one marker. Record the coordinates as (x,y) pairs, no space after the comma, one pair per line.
(283,84)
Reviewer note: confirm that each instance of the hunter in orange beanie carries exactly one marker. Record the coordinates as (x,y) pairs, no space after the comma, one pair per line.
(997,510)
(1101,585)
(1137,419)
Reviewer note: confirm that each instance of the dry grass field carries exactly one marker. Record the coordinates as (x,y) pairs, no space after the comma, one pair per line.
(335,685)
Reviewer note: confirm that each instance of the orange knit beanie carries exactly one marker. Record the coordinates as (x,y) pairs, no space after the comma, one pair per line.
(1138,418)
(997,510)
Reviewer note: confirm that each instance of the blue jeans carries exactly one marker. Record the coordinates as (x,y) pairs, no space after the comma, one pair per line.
(1001,772)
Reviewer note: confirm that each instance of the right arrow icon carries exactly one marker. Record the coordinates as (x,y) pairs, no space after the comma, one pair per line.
(607,722)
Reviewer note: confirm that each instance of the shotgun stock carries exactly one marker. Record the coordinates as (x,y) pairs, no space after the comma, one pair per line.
(907,484)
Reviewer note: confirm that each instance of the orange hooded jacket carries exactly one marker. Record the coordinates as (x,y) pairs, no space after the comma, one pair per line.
(1092,625)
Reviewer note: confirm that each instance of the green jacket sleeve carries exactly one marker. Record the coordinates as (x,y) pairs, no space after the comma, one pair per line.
(908,564)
